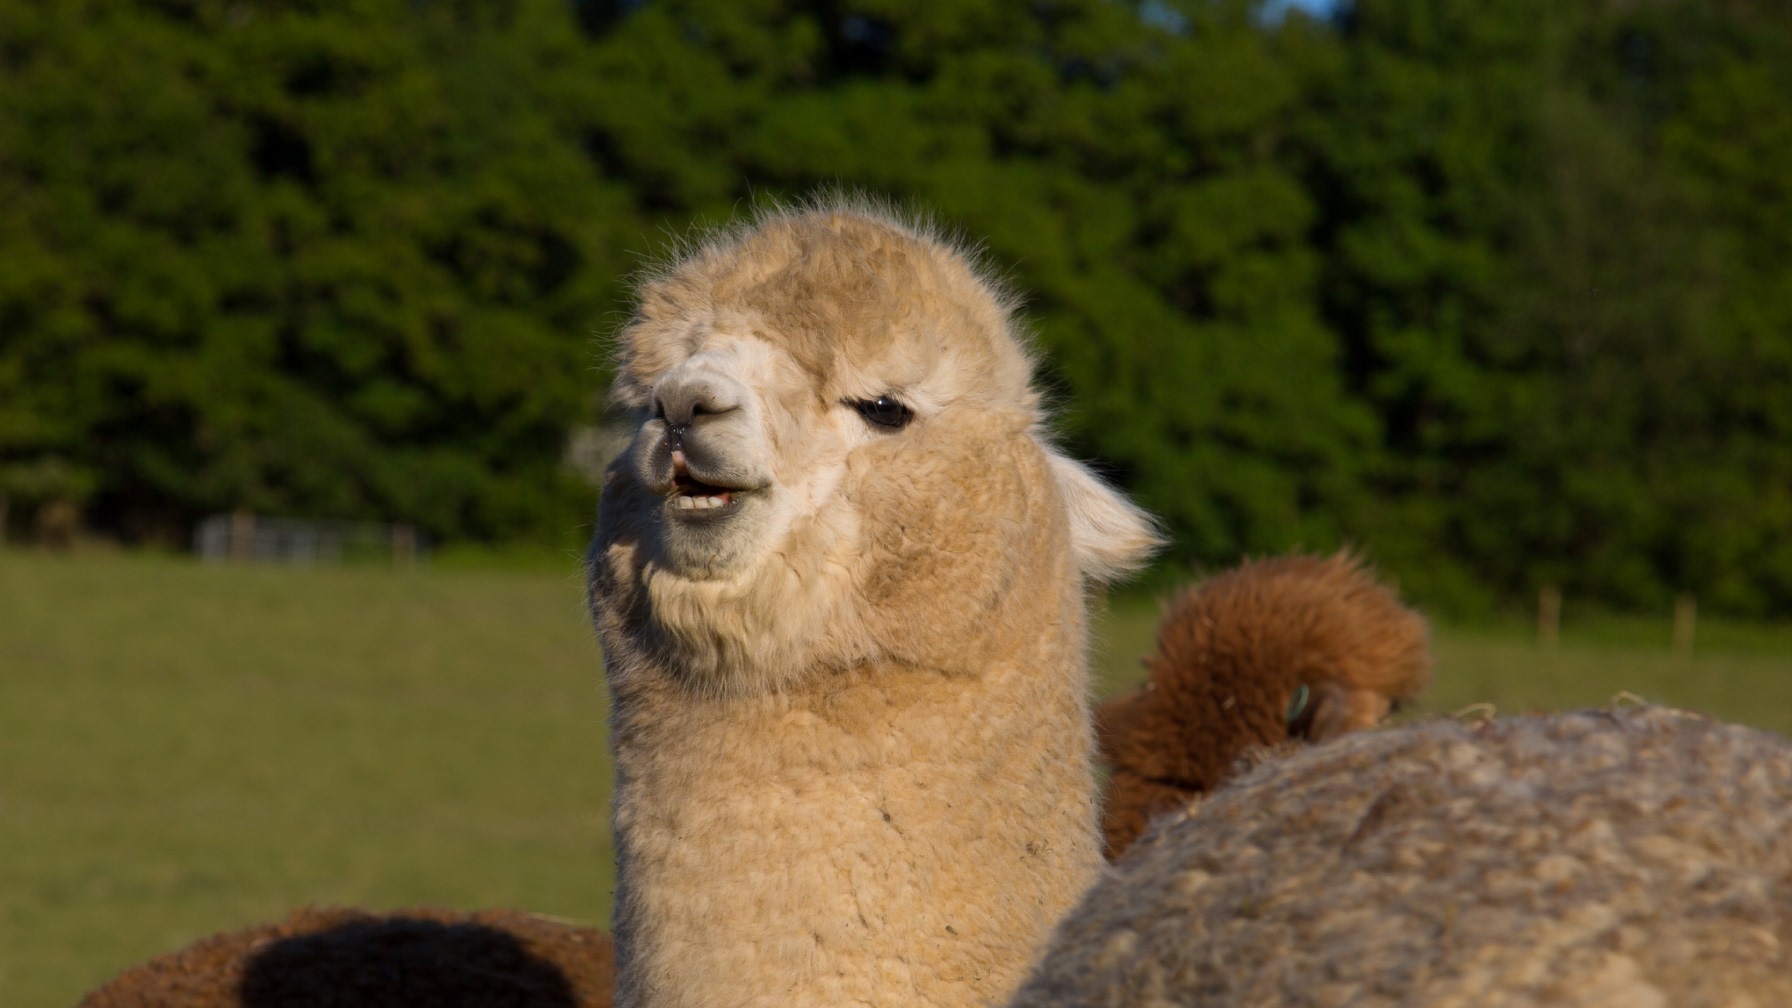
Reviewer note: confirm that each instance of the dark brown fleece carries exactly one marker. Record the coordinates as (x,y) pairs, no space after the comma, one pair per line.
(1232,654)
(344,958)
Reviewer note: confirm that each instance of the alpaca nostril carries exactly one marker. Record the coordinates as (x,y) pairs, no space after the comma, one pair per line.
(703,409)
(683,403)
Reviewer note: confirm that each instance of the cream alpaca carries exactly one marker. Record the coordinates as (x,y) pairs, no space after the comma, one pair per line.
(839,578)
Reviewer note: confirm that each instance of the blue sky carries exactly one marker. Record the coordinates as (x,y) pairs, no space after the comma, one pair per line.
(1311,6)
(1166,17)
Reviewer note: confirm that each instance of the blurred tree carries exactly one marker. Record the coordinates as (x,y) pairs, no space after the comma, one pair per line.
(1496,290)
(1725,116)
(337,261)
(1529,293)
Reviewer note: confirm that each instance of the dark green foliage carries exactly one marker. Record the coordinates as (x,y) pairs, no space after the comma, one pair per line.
(1497,291)
(338,262)
(1539,294)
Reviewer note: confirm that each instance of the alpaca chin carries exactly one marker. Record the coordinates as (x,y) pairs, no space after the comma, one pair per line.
(721,544)
(766,625)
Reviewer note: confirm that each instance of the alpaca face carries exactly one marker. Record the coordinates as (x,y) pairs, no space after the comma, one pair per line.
(741,449)
(836,424)
(705,451)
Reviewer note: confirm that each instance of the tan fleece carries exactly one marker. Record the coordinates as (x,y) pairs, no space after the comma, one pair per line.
(850,723)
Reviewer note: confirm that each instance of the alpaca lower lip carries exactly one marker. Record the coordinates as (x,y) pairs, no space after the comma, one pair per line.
(684,484)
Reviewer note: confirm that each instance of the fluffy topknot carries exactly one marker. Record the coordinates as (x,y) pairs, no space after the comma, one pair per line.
(844,285)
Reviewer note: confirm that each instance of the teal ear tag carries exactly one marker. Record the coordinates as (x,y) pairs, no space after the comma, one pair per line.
(1298,703)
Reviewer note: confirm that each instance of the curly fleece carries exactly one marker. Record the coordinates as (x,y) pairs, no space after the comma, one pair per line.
(1638,857)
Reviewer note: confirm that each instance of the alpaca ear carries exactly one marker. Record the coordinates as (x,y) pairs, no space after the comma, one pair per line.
(1337,710)
(1112,536)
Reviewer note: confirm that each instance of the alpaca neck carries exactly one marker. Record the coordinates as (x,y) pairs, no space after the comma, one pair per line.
(892,836)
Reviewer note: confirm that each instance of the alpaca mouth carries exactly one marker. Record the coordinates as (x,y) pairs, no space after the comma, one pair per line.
(693,498)
(692,494)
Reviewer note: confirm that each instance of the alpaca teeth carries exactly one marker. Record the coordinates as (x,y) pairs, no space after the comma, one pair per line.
(686,503)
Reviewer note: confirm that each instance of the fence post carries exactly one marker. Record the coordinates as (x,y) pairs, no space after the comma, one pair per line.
(1549,616)
(242,535)
(404,546)
(1685,613)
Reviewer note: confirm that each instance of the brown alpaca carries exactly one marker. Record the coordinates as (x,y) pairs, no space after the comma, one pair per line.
(337,956)
(1296,648)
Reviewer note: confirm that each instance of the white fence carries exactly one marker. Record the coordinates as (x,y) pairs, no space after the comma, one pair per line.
(242,536)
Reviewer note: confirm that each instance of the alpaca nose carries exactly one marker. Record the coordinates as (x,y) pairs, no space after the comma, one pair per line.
(684,400)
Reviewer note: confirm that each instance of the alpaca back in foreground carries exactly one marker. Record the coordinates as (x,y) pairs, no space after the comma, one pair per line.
(839,578)
(1638,857)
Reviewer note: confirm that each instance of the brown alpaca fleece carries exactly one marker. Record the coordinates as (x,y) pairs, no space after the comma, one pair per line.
(1232,655)
(840,581)
(348,958)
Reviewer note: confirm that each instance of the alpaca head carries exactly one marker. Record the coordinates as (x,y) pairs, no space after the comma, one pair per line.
(1273,652)
(836,430)
(1301,648)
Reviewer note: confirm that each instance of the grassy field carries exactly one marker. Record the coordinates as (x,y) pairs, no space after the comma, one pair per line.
(185,748)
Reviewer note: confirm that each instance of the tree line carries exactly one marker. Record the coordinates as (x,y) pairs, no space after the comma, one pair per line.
(1498,291)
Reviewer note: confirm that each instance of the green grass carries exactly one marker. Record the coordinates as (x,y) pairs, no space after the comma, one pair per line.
(185,749)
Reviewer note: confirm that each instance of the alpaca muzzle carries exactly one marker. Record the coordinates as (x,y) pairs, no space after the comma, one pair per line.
(690,467)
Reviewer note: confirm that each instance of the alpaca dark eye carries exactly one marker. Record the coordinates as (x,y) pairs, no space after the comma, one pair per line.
(884,412)
(1297,705)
